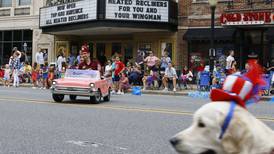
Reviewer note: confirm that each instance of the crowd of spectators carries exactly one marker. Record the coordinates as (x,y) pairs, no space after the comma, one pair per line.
(147,70)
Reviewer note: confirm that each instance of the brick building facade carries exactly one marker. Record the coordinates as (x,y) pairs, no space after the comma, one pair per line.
(245,26)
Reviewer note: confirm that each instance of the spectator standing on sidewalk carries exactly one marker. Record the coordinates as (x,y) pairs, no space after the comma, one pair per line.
(39,57)
(16,68)
(45,75)
(60,60)
(119,68)
(170,75)
(34,74)
(7,74)
(229,61)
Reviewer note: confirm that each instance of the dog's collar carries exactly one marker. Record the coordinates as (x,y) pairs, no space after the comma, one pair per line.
(228,119)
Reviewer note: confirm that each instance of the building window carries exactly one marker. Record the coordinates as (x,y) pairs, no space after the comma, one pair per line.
(5,3)
(23,2)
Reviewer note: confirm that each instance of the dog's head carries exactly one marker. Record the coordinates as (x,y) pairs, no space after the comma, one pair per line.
(202,137)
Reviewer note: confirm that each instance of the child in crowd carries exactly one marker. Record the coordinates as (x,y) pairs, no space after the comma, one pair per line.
(40,77)
(45,75)
(27,72)
(7,76)
(123,84)
(64,68)
(34,74)
(50,76)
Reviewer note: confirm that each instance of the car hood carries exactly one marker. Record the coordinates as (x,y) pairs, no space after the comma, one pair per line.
(67,82)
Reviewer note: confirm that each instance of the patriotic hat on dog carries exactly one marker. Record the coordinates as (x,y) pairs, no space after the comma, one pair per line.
(241,88)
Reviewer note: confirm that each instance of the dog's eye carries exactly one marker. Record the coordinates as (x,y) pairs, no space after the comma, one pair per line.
(201,124)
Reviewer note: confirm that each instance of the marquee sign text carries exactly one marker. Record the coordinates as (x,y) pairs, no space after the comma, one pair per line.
(138,10)
(78,11)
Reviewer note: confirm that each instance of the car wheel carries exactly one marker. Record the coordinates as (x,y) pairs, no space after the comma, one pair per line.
(72,97)
(58,97)
(107,98)
(96,99)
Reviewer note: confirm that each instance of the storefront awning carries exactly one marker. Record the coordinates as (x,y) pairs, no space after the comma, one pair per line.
(205,34)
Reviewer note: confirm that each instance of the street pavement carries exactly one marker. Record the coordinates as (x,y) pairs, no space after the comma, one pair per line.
(31,123)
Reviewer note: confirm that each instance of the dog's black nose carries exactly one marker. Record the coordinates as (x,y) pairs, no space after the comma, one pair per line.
(174,141)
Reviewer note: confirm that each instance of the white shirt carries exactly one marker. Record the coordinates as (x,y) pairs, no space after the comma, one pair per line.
(59,62)
(108,68)
(229,61)
(40,58)
(171,72)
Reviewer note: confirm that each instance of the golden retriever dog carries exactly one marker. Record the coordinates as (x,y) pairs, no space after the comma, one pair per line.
(244,135)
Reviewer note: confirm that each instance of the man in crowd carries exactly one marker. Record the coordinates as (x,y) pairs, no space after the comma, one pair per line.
(229,61)
(39,57)
(170,75)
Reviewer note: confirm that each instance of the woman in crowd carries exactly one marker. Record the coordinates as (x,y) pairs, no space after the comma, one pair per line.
(108,69)
(123,84)
(186,76)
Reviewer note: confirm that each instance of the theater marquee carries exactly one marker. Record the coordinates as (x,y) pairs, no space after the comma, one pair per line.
(138,10)
(71,12)
(247,18)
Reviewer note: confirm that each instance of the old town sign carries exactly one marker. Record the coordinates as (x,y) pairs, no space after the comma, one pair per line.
(247,18)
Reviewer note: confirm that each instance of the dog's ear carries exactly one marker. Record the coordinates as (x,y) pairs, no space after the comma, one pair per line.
(236,137)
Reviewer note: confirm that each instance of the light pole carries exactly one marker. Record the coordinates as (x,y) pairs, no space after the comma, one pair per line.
(212,52)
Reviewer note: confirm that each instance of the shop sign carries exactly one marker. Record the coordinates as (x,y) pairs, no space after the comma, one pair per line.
(247,18)
(138,10)
(71,12)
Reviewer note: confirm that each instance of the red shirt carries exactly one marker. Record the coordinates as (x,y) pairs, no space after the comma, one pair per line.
(119,66)
(200,68)
(2,72)
(92,65)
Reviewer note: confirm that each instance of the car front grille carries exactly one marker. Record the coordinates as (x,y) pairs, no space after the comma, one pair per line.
(73,89)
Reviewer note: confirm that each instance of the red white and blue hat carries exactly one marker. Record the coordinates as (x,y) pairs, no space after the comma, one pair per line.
(241,88)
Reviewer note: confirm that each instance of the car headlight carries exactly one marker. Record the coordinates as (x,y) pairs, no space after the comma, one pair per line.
(54,83)
(92,85)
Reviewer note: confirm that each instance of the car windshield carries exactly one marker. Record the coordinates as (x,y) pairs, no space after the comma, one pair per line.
(82,74)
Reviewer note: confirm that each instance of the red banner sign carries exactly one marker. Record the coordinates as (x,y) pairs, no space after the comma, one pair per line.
(247,18)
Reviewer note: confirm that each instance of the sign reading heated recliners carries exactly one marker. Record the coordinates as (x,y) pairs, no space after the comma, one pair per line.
(71,12)
(138,10)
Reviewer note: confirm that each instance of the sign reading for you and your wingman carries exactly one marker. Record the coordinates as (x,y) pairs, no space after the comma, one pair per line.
(71,12)
(137,10)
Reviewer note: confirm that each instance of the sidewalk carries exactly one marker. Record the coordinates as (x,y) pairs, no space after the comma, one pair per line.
(161,92)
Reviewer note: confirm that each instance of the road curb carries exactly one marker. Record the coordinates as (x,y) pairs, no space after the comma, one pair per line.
(263,98)
(168,93)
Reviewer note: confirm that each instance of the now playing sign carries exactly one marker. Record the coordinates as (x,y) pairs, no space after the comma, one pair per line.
(138,10)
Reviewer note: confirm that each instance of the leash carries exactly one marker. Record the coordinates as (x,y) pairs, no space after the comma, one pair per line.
(228,119)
